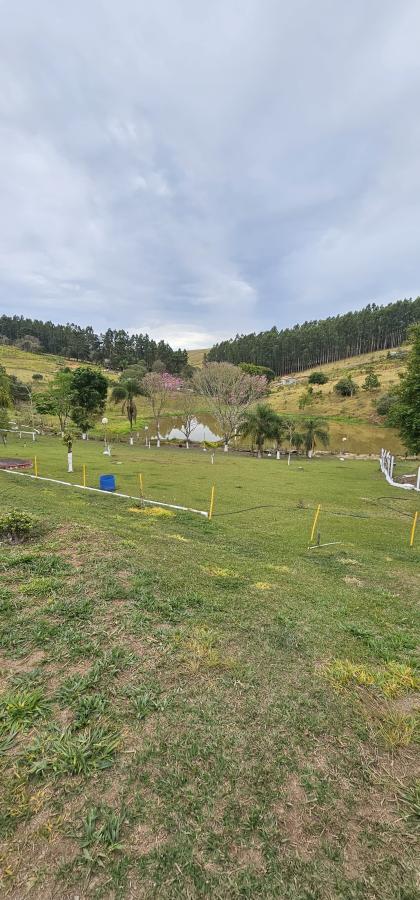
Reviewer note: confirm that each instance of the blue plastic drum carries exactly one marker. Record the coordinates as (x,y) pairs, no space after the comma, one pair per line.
(107,482)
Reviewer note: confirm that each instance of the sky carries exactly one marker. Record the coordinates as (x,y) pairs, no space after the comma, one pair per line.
(198,169)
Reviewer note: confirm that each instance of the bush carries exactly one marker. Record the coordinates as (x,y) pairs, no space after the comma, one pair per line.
(318,378)
(17,526)
(385,404)
(37,376)
(371,382)
(346,387)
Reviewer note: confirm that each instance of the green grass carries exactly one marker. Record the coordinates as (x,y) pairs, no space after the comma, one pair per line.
(209,709)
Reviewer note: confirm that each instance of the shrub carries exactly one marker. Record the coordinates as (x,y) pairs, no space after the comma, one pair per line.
(37,376)
(17,526)
(346,387)
(385,403)
(371,382)
(318,378)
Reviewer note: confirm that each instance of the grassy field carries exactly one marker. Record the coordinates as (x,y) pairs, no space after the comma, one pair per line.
(209,709)
(195,357)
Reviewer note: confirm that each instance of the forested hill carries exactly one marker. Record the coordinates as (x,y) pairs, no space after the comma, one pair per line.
(319,342)
(116,349)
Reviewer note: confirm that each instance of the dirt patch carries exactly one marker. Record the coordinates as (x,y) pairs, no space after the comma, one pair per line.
(293,818)
(143,840)
(21,666)
(350,579)
(249,858)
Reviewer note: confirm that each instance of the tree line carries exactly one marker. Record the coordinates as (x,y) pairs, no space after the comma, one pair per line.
(115,349)
(322,341)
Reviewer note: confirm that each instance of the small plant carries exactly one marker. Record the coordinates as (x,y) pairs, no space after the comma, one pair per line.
(88,707)
(411,801)
(145,701)
(19,709)
(400,730)
(100,835)
(66,753)
(17,526)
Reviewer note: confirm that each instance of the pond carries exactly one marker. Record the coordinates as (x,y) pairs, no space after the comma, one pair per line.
(205,429)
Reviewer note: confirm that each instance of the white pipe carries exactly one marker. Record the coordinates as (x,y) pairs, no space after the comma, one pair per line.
(200,512)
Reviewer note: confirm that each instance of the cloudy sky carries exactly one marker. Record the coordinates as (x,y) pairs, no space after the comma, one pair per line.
(194,169)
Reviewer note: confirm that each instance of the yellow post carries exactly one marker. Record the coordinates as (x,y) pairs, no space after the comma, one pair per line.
(211,502)
(84,474)
(141,484)
(36,467)
(316,517)
(413,529)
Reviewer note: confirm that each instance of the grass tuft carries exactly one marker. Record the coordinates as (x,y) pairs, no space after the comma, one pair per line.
(67,753)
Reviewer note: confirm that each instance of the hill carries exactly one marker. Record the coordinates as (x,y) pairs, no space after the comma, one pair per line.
(353,421)
(196,357)
(24,365)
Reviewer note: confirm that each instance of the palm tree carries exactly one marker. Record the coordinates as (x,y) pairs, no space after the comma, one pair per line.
(126,391)
(314,430)
(279,434)
(295,438)
(260,423)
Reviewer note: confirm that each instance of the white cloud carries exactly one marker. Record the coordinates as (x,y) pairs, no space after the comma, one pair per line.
(203,170)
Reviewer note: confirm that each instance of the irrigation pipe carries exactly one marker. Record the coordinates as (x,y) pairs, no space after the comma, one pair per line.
(82,487)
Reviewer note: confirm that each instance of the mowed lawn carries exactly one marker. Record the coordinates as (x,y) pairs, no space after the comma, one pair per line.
(209,709)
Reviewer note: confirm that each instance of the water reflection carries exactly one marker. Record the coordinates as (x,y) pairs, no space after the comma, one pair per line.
(204,430)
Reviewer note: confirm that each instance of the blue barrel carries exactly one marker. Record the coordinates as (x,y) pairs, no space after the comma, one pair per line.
(107,482)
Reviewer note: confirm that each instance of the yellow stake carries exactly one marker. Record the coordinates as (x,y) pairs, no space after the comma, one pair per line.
(211,502)
(141,484)
(36,467)
(413,529)
(314,523)
(84,474)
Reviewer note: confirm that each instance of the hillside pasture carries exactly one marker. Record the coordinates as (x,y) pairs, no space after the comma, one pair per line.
(209,709)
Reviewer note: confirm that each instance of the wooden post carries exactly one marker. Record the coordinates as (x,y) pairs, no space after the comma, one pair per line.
(141,484)
(413,529)
(316,517)
(211,503)
(36,467)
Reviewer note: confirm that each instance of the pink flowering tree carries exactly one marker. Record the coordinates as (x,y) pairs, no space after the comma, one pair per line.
(157,388)
(228,392)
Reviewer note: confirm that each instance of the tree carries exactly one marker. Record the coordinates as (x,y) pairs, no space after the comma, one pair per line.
(189,422)
(228,392)
(126,391)
(295,437)
(371,382)
(5,402)
(252,369)
(260,423)
(318,378)
(88,396)
(57,400)
(314,430)
(405,413)
(157,387)
(307,398)
(346,387)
